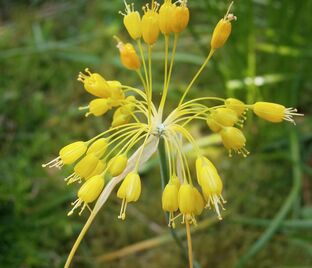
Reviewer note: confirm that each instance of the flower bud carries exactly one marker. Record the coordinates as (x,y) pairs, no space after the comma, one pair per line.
(129,57)
(94,83)
(117,165)
(98,147)
(132,22)
(222,30)
(166,19)
(236,105)
(72,152)
(181,17)
(150,24)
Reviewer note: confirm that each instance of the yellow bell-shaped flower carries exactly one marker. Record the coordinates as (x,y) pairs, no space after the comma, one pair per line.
(72,152)
(132,22)
(88,193)
(99,169)
(234,139)
(225,117)
(198,201)
(236,105)
(150,24)
(170,198)
(181,17)
(212,124)
(271,112)
(117,165)
(116,93)
(186,200)
(95,84)
(99,107)
(98,147)
(166,17)
(129,191)
(83,168)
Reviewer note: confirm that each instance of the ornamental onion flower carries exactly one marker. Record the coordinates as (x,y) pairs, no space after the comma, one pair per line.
(139,125)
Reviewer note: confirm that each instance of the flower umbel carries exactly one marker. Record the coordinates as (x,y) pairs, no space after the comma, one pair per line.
(139,125)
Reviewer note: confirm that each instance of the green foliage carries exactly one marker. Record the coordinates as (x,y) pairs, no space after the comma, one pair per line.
(43,46)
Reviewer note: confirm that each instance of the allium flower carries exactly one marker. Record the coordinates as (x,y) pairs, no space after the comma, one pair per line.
(139,126)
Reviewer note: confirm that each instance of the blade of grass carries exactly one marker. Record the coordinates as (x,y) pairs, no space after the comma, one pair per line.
(282,213)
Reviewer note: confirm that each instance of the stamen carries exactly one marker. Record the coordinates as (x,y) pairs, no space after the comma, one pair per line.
(77,204)
(57,162)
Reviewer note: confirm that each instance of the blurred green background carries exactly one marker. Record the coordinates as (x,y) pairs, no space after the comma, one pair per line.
(43,46)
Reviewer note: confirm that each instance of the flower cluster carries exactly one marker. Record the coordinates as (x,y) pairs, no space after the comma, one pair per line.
(116,154)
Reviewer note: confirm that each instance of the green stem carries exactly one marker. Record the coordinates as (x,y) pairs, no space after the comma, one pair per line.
(282,213)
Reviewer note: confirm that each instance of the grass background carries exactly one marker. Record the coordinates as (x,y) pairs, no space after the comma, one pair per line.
(44,44)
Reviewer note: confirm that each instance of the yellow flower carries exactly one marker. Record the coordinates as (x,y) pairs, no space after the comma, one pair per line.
(129,57)
(181,17)
(198,201)
(117,165)
(129,191)
(236,105)
(225,117)
(99,107)
(98,147)
(222,30)
(68,154)
(150,24)
(187,201)
(210,182)
(83,168)
(212,124)
(116,93)
(132,22)
(99,169)
(95,84)
(88,193)
(166,17)
(234,139)
(274,112)
(170,201)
